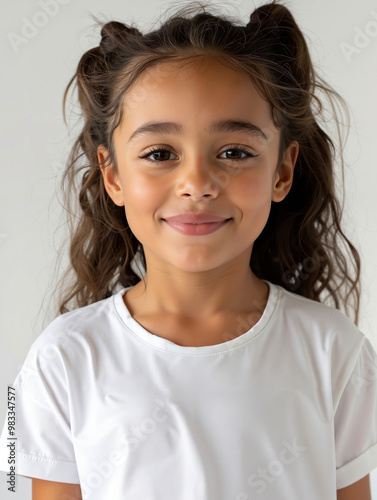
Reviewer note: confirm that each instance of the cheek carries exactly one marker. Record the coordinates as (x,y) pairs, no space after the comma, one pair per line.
(141,194)
(251,194)
(141,200)
(251,189)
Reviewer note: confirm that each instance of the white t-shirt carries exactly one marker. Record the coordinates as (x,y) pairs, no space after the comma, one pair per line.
(286,410)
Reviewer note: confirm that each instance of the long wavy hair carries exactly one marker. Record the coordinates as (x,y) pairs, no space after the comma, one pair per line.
(302,247)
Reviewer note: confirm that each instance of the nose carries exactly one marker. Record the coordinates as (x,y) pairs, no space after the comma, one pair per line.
(197,180)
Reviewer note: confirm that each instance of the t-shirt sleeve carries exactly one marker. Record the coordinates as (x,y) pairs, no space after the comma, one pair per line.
(355,420)
(43,444)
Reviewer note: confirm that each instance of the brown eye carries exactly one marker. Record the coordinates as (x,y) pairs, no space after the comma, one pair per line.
(153,152)
(160,150)
(239,151)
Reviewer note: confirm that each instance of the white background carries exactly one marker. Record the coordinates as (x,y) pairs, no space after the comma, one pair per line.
(35,143)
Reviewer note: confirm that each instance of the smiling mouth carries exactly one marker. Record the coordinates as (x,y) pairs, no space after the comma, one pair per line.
(197,223)
(194,229)
(200,223)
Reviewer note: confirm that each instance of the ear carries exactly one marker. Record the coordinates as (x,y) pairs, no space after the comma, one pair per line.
(284,174)
(110,177)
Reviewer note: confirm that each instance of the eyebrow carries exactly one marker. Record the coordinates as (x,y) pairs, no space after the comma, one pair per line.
(220,126)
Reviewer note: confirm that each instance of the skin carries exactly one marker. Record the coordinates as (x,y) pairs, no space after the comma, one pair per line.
(356,491)
(198,288)
(51,490)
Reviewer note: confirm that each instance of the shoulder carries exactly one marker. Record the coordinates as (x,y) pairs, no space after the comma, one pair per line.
(323,335)
(70,339)
(325,329)
(90,320)
(318,317)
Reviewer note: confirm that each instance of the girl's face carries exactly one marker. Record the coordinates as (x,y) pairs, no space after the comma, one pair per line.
(199,169)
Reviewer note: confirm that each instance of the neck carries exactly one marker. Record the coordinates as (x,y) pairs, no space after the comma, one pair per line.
(198,296)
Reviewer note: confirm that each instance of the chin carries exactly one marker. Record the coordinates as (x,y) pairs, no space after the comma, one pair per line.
(196,265)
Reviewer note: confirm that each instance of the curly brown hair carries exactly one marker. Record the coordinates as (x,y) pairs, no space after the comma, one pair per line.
(300,246)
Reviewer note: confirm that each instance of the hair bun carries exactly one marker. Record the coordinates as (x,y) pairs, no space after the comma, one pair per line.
(262,19)
(113,33)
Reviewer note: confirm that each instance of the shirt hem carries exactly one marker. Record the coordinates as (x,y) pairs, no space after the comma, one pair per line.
(356,469)
(29,465)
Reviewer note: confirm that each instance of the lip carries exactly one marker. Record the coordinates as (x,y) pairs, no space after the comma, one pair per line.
(195,218)
(190,229)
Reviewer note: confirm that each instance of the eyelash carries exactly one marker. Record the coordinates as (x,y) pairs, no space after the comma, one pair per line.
(232,148)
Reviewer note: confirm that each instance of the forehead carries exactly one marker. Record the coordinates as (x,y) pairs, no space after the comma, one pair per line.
(195,92)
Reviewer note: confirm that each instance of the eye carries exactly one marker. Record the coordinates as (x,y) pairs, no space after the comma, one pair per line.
(239,150)
(154,151)
(158,150)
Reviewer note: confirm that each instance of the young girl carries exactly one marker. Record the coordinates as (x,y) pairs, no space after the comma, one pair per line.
(217,372)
